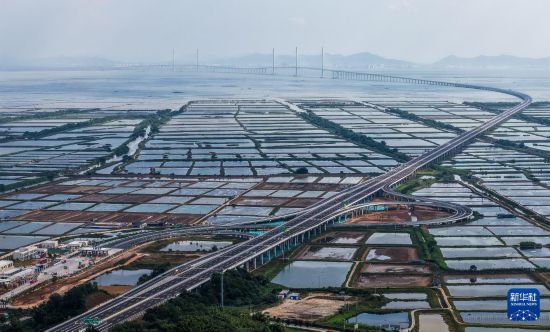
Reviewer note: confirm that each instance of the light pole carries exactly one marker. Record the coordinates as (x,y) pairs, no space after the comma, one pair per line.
(221,290)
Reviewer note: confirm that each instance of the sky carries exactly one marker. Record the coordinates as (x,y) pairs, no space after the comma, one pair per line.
(421,31)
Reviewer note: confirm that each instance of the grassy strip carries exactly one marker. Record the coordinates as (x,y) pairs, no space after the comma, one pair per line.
(47,115)
(48,176)
(429,247)
(352,136)
(427,122)
(433,298)
(431,176)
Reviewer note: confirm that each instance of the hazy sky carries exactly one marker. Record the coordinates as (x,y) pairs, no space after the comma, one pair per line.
(147,30)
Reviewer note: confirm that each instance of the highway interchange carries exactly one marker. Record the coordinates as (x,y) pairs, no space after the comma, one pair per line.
(194,273)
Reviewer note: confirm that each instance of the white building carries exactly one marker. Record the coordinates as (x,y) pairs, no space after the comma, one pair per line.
(49,244)
(5,265)
(15,276)
(93,251)
(75,245)
(29,252)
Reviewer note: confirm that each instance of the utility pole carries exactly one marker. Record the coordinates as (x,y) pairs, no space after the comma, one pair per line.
(197,59)
(322,62)
(296,68)
(221,290)
(273,62)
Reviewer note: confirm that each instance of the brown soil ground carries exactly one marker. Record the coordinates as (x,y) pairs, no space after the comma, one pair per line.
(381,217)
(107,217)
(95,198)
(389,280)
(74,189)
(96,299)
(396,254)
(128,198)
(156,258)
(398,215)
(302,202)
(423,214)
(395,269)
(268,201)
(545,276)
(302,186)
(42,294)
(84,189)
(115,289)
(311,308)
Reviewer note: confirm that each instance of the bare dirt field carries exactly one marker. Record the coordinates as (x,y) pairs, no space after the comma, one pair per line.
(107,217)
(399,214)
(263,201)
(115,289)
(394,268)
(96,299)
(391,280)
(391,254)
(302,186)
(310,308)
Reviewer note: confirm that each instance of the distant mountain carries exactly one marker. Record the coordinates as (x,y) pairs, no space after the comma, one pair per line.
(366,61)
(360,61)
(493,62)
(354,61)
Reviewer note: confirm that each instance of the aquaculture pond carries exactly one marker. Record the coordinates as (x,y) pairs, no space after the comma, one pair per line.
(313,274)
(407,305)
(121,277)
(382,319)
(488,290)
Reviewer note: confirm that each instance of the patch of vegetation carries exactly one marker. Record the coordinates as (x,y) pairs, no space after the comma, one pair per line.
(199,311)
(47,176)
(159,260)
(42,115)
(69,126)
(425,178)
(428,122)
(191,312)
(367,304)
(525,245)
(157,270)
(353,137)
(56,310)
(427,243)
(301,170)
